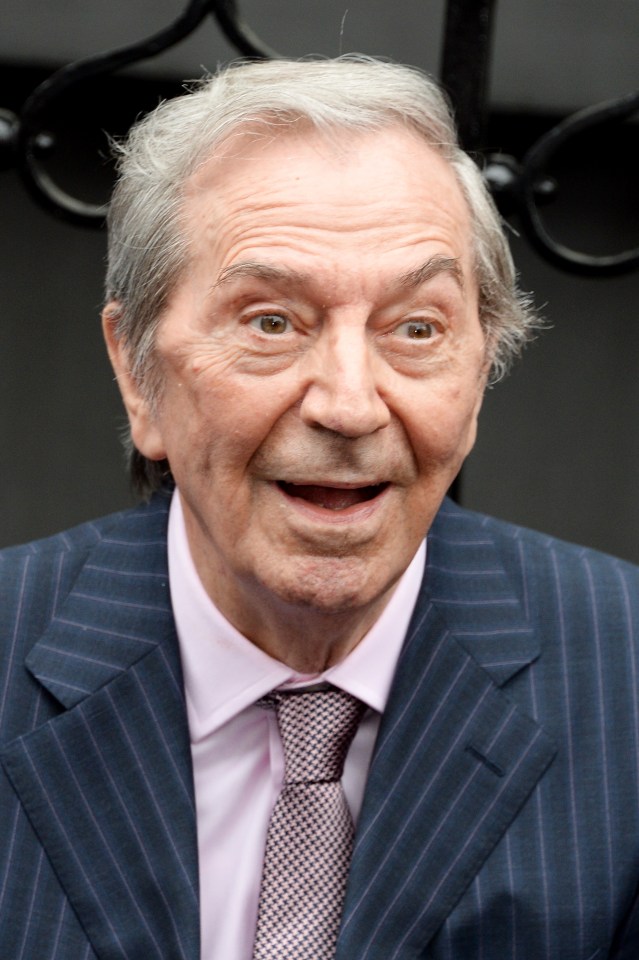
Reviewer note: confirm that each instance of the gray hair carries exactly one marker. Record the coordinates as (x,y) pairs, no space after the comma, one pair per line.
(148,242)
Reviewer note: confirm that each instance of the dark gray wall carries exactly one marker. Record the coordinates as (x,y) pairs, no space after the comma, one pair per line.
(548,55)
(60,459)
(558,448)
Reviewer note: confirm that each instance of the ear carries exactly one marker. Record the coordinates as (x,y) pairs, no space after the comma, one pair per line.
(145,429)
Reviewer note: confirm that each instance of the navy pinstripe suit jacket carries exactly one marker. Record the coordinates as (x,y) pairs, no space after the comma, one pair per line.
(501,816)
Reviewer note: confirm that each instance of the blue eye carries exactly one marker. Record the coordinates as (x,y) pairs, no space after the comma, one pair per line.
(271,323)
(416,329)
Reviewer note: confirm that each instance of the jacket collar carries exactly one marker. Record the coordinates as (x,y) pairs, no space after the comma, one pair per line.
(117,612)
(478,598)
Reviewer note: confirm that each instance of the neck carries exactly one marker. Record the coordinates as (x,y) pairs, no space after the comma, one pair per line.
(307,640)
(309,617)
(310,641)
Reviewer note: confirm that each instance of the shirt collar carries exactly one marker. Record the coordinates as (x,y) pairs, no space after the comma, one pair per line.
(224,672)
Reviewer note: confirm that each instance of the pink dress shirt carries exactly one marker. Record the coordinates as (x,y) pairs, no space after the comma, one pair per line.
(235,745)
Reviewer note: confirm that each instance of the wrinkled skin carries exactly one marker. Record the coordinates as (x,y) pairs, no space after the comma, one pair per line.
(323,368)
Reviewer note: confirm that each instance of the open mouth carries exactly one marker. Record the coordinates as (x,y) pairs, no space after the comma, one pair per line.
(332,498)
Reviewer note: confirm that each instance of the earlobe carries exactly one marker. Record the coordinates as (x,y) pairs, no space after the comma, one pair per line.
(145,430)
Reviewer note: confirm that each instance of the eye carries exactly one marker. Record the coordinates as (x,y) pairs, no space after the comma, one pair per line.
(271,323)
(416,329)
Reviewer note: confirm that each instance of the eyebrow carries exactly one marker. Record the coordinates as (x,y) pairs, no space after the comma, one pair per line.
(261,271)
(283,275)
(432,268)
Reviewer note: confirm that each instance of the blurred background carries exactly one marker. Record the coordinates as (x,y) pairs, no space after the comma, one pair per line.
(559,443)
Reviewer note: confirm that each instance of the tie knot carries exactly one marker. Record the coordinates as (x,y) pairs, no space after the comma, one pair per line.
(317,728)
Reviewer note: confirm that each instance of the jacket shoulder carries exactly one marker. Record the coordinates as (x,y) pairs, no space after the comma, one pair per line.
(75,542)
(457,523)
(544,570)
(35,577)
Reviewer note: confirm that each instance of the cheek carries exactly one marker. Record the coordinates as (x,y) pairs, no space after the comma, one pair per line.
(444,429)
(214,424)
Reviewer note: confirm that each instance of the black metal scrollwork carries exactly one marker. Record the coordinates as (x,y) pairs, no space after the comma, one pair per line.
(26,140)
(516,186)
(533,170)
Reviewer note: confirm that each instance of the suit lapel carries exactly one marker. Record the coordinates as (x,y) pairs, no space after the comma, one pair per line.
(455,758)
(107,784)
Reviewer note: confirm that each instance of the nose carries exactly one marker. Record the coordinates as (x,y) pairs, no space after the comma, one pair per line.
(342,392)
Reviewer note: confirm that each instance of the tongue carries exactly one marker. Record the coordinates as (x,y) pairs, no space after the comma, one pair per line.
(331,498)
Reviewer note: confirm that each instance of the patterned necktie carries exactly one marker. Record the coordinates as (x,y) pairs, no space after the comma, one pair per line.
(310,834)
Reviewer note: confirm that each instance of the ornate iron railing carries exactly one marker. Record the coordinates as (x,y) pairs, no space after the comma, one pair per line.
(519,187)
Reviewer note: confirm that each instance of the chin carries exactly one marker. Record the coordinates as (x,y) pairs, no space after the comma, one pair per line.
(332,585)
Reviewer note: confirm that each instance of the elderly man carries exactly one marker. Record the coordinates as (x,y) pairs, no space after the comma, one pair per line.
(298,638)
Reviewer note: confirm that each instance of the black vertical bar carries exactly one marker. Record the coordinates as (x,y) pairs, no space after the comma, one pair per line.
(464,75)
(465,65)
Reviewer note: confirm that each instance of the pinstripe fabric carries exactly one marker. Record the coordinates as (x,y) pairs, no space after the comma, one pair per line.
(105,785)
(501,816)
(542,863)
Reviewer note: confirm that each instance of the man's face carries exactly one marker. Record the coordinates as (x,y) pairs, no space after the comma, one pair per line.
(323,366)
